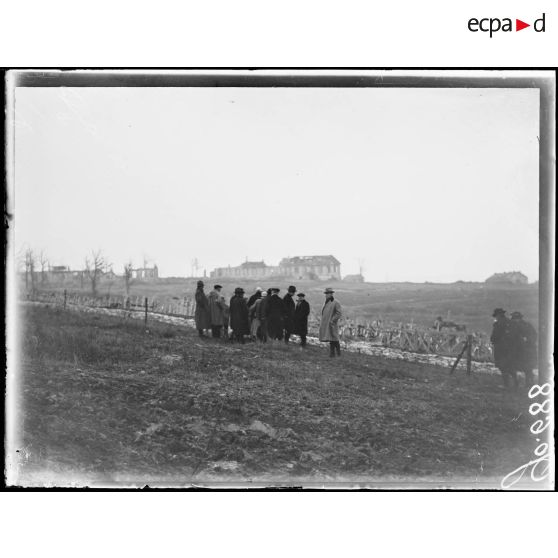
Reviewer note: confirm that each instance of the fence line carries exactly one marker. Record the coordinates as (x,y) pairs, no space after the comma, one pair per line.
(183,307)
(405,337)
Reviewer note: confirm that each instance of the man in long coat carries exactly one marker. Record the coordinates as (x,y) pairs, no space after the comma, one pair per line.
(524,344)
(288,318)
(239,321)
(502,342)
(256,317)
(217,307)
(261,314)
(274,312)
(302,311)
(329,329)
(202,316)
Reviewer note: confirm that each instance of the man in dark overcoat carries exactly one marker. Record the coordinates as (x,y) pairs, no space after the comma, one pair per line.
(524,344)
(302,311)
(238,309)
(274,312)
(502,342)
(202,314)
(288,318)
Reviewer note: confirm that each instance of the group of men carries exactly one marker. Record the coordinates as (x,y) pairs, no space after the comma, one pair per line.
(515,347)
(265,316)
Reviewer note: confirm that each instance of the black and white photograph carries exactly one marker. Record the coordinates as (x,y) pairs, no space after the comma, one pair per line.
(280,278)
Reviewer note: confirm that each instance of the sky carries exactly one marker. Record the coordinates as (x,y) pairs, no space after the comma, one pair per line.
(415,185)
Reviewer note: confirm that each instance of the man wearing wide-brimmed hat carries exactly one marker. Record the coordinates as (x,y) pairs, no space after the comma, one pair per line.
(329,329)
(502,342)
(239,321)
(524,347)
(201,315)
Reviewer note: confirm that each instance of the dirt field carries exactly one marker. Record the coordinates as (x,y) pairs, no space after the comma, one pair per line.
(103,401)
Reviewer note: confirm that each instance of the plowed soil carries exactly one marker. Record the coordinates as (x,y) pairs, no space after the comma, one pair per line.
(102,401)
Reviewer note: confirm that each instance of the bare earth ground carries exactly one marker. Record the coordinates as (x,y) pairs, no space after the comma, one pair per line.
(103,401)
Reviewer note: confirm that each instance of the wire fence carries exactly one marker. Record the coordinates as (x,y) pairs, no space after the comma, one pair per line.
(404,337)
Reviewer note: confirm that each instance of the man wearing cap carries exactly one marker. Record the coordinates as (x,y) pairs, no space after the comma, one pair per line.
(217,307)
(274,312)
(524,345)
(262,316)
(502,342)
(289,308)
(255,296)
(302,311)
(329,330)
(201,315)
(239,315)
(256,317)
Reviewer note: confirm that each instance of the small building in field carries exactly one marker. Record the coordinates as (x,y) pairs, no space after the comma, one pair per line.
(508,277)
(246,270)
(357,278)
(59,273)
(146,273)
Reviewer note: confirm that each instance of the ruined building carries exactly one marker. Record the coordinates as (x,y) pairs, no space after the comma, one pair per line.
(298,267)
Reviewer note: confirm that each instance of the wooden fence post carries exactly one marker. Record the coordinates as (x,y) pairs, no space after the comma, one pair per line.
(65,295)
(145,311)
(469,352)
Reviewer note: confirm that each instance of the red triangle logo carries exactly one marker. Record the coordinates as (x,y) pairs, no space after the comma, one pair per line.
(519,25)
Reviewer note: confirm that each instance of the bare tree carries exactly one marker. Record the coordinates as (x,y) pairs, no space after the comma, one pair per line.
(195,266)
(94,266)
(43,260)
(361,267)
(30,264)
(128,272)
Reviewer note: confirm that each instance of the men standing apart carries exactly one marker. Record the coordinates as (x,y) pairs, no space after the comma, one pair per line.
(524,343)
(329,329)
(289,307)
(502,342)
(239,315)
(201,314)
(217,307)
(274,312)
(302,311)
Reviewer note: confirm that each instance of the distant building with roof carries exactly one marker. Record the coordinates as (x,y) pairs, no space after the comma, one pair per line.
(298,267)
(510,277)
(145,273)
(246,270)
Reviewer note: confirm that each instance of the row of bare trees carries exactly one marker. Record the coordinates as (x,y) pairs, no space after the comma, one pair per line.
(96,266)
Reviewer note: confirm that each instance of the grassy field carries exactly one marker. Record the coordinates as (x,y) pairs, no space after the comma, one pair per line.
(101,400)
(465,303)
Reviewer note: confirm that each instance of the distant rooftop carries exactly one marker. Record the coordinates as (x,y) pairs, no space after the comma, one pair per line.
(314,260)
(254,264)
